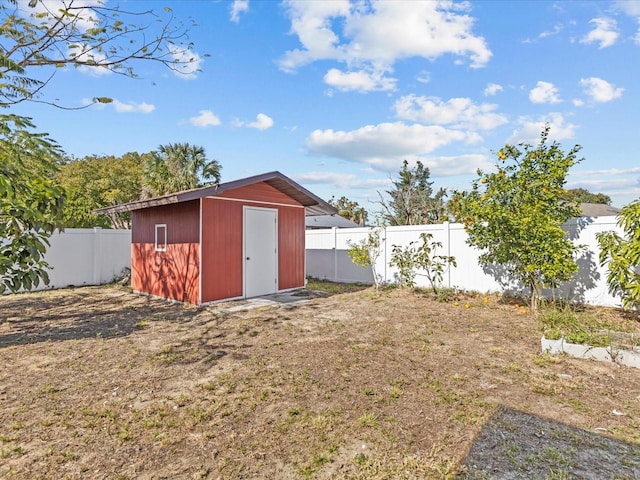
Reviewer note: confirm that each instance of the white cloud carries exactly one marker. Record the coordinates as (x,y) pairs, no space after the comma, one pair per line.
(385,145)
(360,81)
(557,28)
(238,7)
(85,17)
(188,62)
(605,32)
(600,90)
(458,112)
(341,180)
(632,9)
(611,171)
(578,102)
(449,166)
(549,33)
(311,22)
(263,122)
(530,129)
(206,118)
(374,35)
(92,57)
(620,184)
(544,92)
(132,107)
(424,77)
(492,89)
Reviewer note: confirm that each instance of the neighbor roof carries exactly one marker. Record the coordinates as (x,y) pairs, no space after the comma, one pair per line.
(329,221)
(313,204)
(598,210)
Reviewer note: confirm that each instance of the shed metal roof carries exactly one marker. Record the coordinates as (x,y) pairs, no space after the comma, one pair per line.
(313,204)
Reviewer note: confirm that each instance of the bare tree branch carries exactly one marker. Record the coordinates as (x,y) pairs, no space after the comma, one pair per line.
(73,34)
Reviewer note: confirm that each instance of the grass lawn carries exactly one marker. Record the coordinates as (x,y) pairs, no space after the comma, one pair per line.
(355,383)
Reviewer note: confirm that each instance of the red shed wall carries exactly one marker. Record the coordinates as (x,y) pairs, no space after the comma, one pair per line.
(221,249)
(222,237)
(291,255)
(173,274)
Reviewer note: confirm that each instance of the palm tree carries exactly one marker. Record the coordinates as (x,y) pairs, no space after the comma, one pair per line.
(179,166)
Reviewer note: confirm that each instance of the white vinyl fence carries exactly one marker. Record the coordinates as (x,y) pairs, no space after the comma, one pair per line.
(97,256)
(327,259)
(87,256)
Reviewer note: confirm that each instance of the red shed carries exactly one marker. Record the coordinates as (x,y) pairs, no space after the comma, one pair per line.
(238,239)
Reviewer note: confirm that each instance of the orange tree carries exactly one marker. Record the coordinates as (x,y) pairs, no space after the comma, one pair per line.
(514,215)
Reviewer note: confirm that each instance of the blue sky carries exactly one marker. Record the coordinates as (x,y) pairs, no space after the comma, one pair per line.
(336,94)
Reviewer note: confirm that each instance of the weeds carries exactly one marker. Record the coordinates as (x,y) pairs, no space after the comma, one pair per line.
(333,288)
(11,451)
(368,419)
(141,324)
(585,326)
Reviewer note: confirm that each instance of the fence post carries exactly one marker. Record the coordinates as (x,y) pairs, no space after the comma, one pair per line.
(383,240)
(335,253)
(97,255)
(447,236)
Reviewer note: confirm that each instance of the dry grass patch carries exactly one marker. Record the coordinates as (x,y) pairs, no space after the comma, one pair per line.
(100,383)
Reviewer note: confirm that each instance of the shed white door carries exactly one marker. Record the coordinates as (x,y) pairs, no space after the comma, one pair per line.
(260,251)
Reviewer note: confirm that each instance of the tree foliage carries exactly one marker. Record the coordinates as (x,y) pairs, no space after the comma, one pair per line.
(30,202)
(350,210)
(176,167)
(582,195)
(55,34)
(412,200)
(515,214)
(622,256)
(100,181)
(366,252)
(412,259)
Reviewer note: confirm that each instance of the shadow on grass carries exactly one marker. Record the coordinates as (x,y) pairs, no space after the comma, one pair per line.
(515,445)
(73,314)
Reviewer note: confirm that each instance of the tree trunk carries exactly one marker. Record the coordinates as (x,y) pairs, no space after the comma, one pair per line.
(535,294)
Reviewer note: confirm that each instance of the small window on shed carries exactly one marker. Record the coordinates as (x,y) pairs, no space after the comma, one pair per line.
(161,237)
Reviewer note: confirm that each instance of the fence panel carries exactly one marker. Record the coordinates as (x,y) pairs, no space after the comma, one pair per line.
(468,274)
(327,258)
(87,256)
(589,285)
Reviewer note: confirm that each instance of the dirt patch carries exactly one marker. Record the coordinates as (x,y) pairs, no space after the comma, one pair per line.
(100,383)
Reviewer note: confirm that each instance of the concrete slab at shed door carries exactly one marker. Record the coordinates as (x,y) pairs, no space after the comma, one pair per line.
(260,251)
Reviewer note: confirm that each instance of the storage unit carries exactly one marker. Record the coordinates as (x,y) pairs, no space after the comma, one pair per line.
(238,239)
